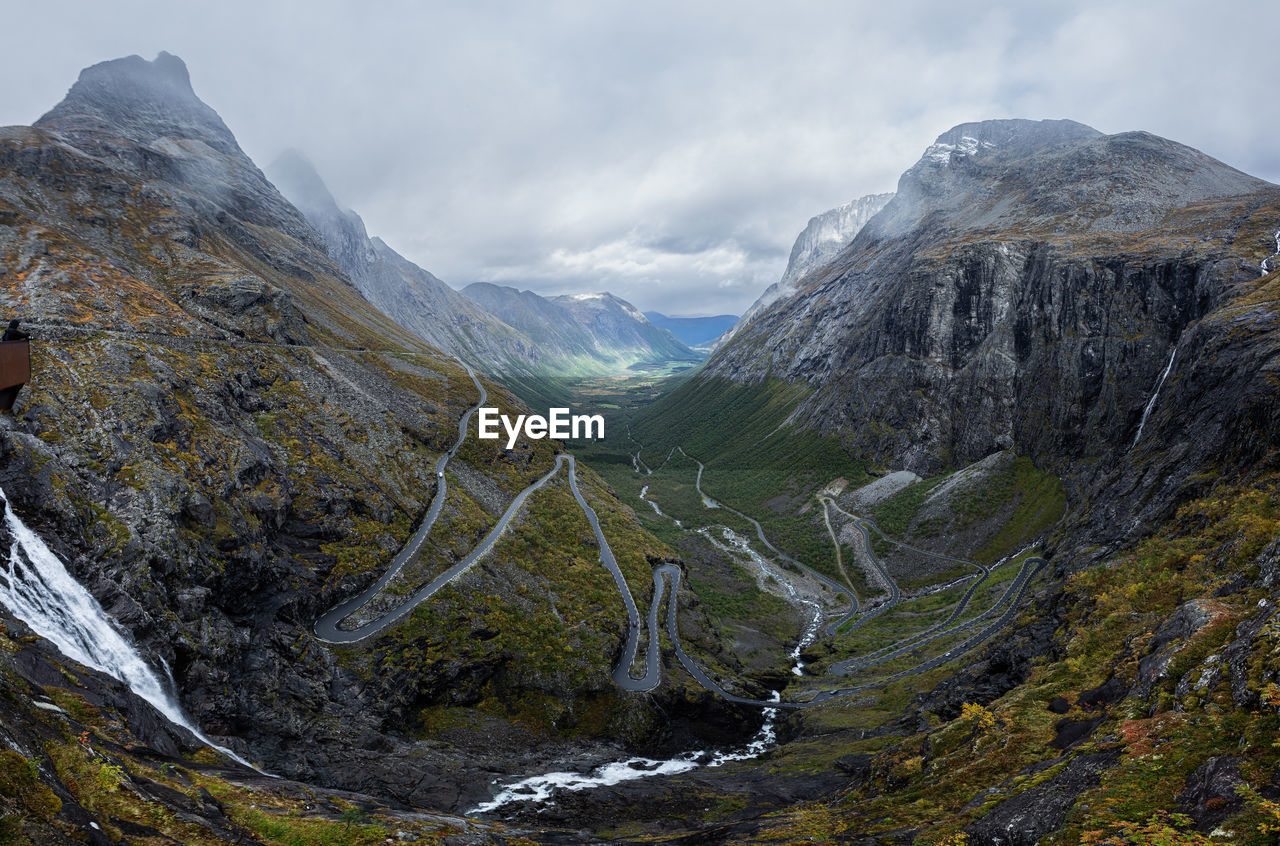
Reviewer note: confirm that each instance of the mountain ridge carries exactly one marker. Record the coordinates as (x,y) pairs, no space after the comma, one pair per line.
(595,333)
(223,439)
(822,239)
(417,299)
(992,254)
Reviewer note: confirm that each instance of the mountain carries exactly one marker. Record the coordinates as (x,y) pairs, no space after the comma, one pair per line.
(693,331)
(1083,330)
(417,300)
(504,332)
(825,236)
(223,439)
(1043,267)
(585,333)
(988,507)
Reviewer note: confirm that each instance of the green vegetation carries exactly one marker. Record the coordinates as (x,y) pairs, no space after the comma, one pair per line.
(746,603)
(754,460)
(927,781)
(295,831)
(896,514)
(554,606)
(1006,509)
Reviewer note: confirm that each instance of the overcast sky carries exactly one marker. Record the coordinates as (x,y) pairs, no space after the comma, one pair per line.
(669,153)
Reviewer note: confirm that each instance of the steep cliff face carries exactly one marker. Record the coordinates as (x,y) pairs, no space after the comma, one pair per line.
(223,439)
(416,299)
(1025,288)
(825,236)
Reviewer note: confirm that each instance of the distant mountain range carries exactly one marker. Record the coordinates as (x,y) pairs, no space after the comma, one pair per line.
(590,333)
(415,298)
(697,332)
(500,330)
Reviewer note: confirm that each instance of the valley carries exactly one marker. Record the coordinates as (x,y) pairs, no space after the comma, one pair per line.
(967,532)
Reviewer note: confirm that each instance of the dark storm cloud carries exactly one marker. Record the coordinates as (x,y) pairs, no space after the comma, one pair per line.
(667,152)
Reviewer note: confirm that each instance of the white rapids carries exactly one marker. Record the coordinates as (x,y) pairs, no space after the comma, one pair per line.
(541,788)
(1265,266)
(39,591)
(644,497)
(769,579)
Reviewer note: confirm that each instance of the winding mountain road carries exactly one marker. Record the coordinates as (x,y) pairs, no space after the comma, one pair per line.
(666,586)
(326,627)
(826,580)
(1010,600)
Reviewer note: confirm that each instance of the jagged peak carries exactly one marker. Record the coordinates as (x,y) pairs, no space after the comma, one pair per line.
(141,100)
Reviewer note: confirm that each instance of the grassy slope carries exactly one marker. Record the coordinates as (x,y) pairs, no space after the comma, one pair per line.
(754,462)
(1112,613)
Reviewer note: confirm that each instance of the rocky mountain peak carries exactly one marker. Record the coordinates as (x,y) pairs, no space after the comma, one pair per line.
(142,100)
(1047,177)
(826,235)
(818,244)
(343,231)
(1011,137)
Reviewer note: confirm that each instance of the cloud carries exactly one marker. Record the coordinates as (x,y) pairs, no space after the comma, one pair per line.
(669,152)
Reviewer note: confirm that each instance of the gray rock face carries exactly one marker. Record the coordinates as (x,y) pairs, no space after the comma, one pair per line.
(1167,641)
(1211,792)
(1025,818)
(827,235)
(873,493)
(141,100)
(824,238)
(1024,289)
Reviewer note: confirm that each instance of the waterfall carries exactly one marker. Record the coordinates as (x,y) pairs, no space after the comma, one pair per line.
(1151,403)
(1266,262)
(39,591)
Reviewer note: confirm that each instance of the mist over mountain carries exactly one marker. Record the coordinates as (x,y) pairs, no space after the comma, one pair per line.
(419,301)
(497,329)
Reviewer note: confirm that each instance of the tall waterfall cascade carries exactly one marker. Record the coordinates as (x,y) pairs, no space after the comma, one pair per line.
(37,588)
